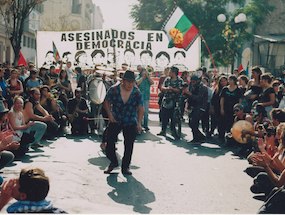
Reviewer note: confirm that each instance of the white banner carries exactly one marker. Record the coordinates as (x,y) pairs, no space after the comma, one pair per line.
(113,47)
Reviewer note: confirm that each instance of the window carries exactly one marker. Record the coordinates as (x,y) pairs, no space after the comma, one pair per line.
(32,43)
(29,42)
(24,41)
(76,6)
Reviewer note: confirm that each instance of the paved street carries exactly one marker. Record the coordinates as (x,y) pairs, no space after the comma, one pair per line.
(168,176)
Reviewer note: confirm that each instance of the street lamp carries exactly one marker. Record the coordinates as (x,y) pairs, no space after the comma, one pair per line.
(231,33)
(241,17)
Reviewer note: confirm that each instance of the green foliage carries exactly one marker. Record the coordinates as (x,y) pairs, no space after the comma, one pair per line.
(204,14)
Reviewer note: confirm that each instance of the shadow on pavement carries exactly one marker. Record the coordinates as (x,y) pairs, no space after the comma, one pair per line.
(102,161)
(205,149)
(147,136)
(28,158)
(209,147)
(130,192)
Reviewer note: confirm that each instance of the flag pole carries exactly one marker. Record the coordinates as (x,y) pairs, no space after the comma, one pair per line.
(208,49)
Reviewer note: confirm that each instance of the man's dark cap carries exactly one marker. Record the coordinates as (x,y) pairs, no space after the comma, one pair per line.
(129,75)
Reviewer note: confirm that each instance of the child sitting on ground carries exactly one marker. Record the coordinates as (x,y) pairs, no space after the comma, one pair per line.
(30,191)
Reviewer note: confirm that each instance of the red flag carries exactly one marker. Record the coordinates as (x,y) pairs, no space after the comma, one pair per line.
(240,68)
(22,60)
(55,52)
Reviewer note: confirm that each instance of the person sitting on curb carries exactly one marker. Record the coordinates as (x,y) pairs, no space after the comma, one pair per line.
(30,191)
(25,133)
(33,111)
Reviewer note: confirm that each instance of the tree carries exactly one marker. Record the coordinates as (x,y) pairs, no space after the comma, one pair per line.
(224,39)
(15,13)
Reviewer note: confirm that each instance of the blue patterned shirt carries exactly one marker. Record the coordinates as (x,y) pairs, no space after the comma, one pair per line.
(125,114)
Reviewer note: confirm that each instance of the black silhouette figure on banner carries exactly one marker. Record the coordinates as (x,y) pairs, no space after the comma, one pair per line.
(98,57)
(66,57)
(146,57)
(162,59)
(81,59)
(180,60)
(129,57)
(49,60)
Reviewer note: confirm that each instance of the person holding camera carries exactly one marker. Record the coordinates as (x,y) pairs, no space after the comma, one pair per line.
(197,94)
(144,82)
(171,88)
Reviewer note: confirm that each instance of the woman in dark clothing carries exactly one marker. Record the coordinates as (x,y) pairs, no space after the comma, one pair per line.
(215,104)
(267,97)
(254,89)
(230,96)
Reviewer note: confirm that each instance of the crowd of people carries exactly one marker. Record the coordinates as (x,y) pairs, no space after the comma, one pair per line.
(219,101)
(37,105)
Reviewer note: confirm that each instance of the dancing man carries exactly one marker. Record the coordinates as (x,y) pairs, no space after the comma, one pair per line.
(124,106)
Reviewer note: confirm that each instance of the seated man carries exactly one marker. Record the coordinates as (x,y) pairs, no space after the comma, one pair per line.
(33,111)
(30,191)
(77,110)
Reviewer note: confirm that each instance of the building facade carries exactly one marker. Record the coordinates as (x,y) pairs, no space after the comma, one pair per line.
(98,18)
(269,42)
(6,49)
(66,15)
(51,15)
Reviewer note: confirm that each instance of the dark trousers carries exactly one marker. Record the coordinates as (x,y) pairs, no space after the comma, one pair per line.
(129,133)
(195,117)
(205,119)
(225,124)
(79,125)
(52,129)
(166,114)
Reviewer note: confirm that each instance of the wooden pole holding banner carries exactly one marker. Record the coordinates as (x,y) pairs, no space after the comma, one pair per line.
(114,51)
(208,49)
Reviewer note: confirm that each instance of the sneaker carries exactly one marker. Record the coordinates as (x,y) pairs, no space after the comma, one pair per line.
(256,189)
(103,146)
(126,172)
(146,128)
(110,168)
(37,145)
(162,133)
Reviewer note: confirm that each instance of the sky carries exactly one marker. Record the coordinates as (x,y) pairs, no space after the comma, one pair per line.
(116,13)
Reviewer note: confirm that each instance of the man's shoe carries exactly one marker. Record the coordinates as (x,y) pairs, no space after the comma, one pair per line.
(195,141)
(256,189)
(162,133)
(126,172)
(110,169)
(146,128)
(103,146)
(36,145)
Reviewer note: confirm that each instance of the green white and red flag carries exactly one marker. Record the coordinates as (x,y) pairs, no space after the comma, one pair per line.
(55,52)
(180,30)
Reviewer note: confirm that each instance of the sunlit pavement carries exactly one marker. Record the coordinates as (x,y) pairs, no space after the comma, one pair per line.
(168,176)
